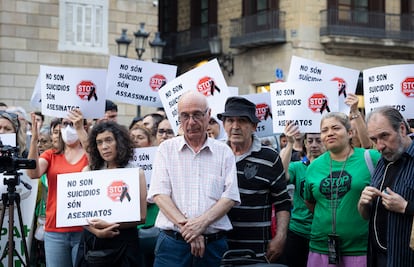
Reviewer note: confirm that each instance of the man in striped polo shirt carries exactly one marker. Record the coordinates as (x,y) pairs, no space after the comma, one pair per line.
(261,181)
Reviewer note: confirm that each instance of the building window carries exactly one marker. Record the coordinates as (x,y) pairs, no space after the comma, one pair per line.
(203,18)
(358,12)
(262,88)
(407,12)
(260,15)
(83,26)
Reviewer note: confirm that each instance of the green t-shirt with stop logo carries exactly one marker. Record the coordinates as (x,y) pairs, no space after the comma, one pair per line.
(339,191)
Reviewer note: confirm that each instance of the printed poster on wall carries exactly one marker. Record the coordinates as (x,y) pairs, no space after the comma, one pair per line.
(303,103)
(263,113)
(390,85)
(206,79)
(137,82)
(112,195)
(64,89)
(306,70)
(27,205)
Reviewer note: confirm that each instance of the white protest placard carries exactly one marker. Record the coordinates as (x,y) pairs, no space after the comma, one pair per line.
(234,91)
(112,195)
(137,82)
(64,89)
(390,85)
(263,113)
(143,158)
(36,99)
(27,205)
(302,69)
(8,139)
(303,103)
(206,79)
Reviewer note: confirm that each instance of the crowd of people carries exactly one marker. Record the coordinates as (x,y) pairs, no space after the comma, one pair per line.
(217,187)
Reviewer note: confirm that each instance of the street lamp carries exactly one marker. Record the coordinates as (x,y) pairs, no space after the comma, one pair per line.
(123,44)
(226,61)
(157,46)
(140,37)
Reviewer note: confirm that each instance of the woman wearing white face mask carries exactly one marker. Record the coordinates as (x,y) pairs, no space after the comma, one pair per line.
(61,244)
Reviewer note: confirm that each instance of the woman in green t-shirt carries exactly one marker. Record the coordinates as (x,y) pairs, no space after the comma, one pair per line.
(333,185)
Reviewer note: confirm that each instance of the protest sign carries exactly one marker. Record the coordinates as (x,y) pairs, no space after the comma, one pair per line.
(390,85)
(36,99)
(263,113)
(137,82)
(206,79)
(307,70)
(303,103)
(143,158)
(27,205)
(64,89)
(112,195)
(8,139)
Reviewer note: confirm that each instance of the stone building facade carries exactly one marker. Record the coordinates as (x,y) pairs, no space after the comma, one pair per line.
(30,36)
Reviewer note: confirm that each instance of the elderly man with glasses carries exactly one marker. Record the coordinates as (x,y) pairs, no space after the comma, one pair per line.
(194,184)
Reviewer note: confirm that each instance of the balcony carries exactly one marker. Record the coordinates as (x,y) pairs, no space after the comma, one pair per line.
(194,42)
(265,28)
(367,33)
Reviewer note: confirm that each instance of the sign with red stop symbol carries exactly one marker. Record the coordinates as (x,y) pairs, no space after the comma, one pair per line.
(318,102)
(407,86)
(207,86)
(263,111)
(86,90)
(118,191)
(157,81)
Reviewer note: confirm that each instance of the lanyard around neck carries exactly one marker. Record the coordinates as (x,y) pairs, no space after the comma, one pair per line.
(335,198)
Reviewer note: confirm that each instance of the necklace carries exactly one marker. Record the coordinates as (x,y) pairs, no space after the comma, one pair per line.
(335,199)
(376,209)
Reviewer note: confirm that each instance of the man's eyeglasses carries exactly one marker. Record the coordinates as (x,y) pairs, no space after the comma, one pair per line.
(197,116)
(165,131)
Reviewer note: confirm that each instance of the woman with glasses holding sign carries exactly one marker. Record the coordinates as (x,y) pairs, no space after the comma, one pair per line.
(333,184)
(110,147)
(61,243)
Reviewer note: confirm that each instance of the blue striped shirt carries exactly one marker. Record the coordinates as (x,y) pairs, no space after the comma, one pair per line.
(399,225)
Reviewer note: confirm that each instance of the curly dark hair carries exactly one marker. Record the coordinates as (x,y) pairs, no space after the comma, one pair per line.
(124,145)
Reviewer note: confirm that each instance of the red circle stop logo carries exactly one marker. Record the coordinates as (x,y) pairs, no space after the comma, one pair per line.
(317,102)
(84,89)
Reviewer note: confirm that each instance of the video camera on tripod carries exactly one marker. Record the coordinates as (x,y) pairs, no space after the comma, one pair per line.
(10,163)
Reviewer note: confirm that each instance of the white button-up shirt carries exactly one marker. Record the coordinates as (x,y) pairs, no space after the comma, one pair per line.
(194,181)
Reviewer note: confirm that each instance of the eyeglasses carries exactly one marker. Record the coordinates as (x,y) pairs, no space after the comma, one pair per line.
(66,123)
(197,116)
(165,131)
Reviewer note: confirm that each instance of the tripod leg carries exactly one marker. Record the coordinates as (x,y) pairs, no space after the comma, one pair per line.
(11,248)
(19,213)
(3,212)
(10,235)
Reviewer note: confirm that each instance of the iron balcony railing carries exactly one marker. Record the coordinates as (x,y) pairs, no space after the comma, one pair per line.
(194,41)
(263,28)
(366,24)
